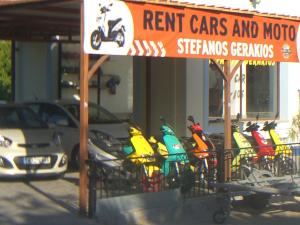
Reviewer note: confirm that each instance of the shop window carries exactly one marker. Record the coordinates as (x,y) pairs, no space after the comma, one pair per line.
(254,91)
(262,91)
(215,92)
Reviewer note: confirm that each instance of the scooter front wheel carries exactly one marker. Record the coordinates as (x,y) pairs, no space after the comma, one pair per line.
(220,216)
(284,166)
(96,39)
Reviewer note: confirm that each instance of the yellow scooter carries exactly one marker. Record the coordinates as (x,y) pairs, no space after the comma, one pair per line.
(140,153)
(284,163)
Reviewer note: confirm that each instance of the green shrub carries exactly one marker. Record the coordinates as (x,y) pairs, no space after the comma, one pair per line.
(294,132)
(5,70)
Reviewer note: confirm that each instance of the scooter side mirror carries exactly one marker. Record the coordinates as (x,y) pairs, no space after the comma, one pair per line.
(162,119)
(249,123)
(191,119)
(238,116)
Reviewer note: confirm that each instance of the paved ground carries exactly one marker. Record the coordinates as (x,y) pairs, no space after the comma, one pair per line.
(41,202)
(55,202)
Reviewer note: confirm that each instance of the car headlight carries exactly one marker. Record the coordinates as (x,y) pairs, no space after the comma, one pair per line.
(5,142)
(57,139)
(63,161)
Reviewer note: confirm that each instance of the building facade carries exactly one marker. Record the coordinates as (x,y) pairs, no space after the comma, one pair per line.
(173,88)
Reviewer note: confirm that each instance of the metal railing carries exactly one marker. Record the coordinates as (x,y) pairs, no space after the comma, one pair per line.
(283,160)
(193,176)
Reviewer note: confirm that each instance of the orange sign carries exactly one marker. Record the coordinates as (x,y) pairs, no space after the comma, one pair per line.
(168,31)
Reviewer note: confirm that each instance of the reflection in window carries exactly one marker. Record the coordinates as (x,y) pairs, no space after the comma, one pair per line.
(215,91)
(261,97)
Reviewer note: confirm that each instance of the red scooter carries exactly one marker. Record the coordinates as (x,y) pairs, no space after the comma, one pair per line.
(264,150)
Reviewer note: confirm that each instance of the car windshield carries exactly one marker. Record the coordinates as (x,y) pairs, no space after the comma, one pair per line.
(97,114)
(17,117)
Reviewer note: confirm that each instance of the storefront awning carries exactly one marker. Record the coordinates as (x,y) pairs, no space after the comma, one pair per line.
(39,20)
(192,31)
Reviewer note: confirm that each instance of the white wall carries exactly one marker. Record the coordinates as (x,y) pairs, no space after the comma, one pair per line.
(168,94)
(289,102)
(36,71)
(122,101)
(37,76)
(195,89)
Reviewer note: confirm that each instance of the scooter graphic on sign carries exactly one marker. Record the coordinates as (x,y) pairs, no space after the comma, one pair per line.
(108,30)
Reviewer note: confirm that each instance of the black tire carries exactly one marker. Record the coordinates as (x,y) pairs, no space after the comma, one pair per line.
(220,216)
(266,164)
(96,40)
(284,166)
(120,38)
(75,158)
(173,178)
(257,201)
(187,180)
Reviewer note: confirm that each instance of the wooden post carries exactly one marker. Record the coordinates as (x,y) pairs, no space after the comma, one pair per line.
(227,119)
(84,63)
(228,74)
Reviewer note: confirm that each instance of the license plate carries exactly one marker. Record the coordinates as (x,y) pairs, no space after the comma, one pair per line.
(36,160)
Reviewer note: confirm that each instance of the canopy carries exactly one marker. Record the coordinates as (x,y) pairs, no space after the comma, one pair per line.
(162,30)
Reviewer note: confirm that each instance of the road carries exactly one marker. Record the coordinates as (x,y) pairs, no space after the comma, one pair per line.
(50,202)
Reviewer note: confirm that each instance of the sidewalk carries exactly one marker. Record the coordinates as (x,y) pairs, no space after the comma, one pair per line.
(41,202)
(55,202)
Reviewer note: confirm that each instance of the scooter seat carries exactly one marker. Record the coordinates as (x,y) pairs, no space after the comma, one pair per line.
(112,23)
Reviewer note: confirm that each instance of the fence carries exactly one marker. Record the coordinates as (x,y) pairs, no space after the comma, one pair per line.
(194,175)
(280,160)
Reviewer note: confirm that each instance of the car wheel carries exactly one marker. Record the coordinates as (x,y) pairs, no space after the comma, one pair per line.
(75,158)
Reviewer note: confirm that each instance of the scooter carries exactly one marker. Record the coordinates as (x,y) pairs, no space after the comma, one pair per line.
(202,150)
(265,151)
(284,164)
(244,155)
(176,165)
(139,153)
(108,30)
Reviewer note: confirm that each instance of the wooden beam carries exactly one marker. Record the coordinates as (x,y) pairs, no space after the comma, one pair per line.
(235,68)
(25,4)
(228,73)
(56,9)
(39,19)
(83,179)
(227,120)
(219,67)
(97,65)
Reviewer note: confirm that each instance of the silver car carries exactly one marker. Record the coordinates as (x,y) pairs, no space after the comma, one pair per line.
(105,129)
(27,145)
